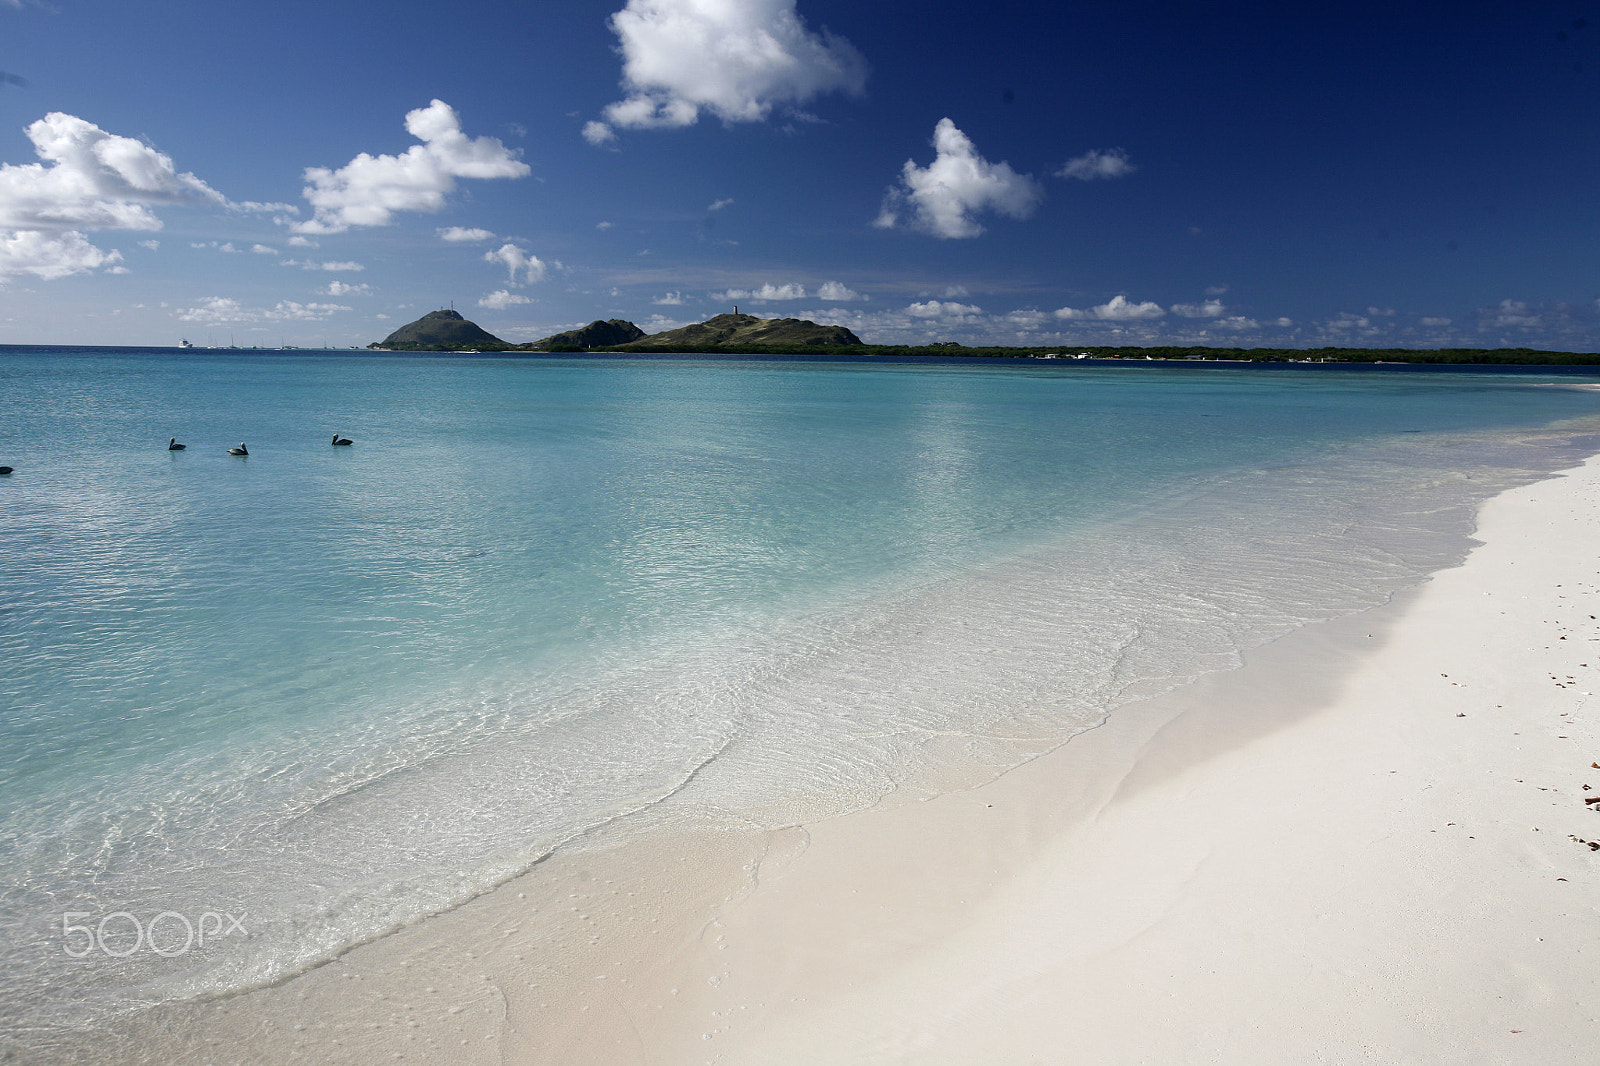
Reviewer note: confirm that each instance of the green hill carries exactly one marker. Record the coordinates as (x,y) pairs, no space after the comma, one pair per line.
(442,331)
(596,334)
(740,331)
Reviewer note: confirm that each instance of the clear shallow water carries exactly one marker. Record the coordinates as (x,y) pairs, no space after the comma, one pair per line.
(328,690)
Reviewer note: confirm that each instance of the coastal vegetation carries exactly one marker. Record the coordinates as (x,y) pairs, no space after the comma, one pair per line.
(736,334)
(443,330)
(736,331)
(596,334)
(1496,356)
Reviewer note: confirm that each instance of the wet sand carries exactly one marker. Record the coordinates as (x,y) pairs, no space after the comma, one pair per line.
(1367,844)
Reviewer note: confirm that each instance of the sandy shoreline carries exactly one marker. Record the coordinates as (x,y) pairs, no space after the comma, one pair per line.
(1334,854)
(1359,847)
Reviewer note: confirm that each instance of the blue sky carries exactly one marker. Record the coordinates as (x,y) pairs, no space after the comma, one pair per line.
(1008,173)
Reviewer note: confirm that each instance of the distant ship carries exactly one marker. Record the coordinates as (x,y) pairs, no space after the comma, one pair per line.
(184,343)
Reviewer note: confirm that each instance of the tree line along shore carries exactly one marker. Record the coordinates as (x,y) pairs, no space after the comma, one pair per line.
(1488,356)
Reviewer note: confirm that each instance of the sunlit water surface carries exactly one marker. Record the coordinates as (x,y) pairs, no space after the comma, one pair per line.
(293,700)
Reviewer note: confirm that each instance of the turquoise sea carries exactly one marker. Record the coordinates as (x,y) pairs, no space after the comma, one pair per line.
(255,710)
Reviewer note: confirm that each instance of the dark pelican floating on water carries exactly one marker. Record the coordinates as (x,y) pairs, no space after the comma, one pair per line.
(4,470)
(240,450)
(174,446)
(342,440)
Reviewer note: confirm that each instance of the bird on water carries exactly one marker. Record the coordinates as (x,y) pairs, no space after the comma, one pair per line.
(4,470)
(342,440)
(240,450)
(174,446)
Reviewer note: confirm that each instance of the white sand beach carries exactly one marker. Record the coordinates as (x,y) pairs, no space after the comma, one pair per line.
(1365,845)
(1359,847)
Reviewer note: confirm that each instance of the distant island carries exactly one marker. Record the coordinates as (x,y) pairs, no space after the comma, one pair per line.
(745,333)
(596,334)
(737,334)
(447,331)
(441,331)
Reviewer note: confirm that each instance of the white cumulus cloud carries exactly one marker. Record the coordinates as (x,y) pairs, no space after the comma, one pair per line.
(1208,309)
(220,309)
(308,264)
(89,179)
(501,299)
(671,299)
(596,132)
(340,288)
(461,234)
(1513,313)
(1112,163)
(368,190)
(837,292)
(516,261)
(290,310)
(1026,318)
(212,309)
(1117,309)
(736,59)
(942,309)
(787,291)
(50,255)
(942,197)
